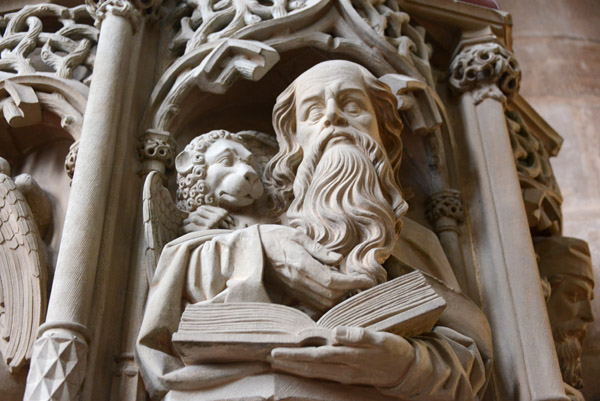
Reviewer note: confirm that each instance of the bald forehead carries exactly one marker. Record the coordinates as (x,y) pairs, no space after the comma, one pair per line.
(334,70)
(332,78)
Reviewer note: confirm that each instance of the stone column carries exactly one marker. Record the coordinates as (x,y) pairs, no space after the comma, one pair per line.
(445,212)
(59,358)
(525,364)
(156,151)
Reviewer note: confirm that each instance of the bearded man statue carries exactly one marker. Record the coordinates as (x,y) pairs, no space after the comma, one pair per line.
(565,263)
(334,187)
(344,194)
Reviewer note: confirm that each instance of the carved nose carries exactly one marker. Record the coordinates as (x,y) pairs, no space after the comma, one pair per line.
(585,311)
(250,176)
(333,116)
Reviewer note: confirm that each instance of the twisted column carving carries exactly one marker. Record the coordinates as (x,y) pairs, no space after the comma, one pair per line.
(486,70)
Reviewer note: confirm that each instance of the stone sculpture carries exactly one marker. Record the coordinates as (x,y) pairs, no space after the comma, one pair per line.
(334,185)
(566,265)
(217,188)
(217,180)
(25,214)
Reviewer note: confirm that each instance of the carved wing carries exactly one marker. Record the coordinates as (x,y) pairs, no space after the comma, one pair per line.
(162,220)
(22,276)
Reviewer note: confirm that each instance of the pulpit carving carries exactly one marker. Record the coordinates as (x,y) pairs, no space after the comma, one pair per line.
(23,271)
(68,51)
(565,264)
(327,227)
(541,194)
(487,69)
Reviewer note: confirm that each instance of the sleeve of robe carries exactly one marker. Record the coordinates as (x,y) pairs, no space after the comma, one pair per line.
(206,266)
(451,363)
(447,366)
(454,361)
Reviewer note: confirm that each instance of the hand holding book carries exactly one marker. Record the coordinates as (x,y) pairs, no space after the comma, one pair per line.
(234,332)
(358,356)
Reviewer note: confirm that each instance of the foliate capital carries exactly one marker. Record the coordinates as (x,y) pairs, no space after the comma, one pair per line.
(133,10)
(71,159)
(157,146)
(486,70)
(445,209)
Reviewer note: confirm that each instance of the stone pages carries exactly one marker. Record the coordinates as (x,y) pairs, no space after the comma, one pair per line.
(406,306)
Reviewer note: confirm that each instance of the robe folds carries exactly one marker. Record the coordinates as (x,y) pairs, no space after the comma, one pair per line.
(452,362)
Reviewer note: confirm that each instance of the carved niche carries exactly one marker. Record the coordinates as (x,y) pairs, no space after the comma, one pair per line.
(237,59)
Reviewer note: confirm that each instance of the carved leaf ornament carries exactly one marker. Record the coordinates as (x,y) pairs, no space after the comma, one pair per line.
(541,194)
(480,67)
(389,22)
(22,276)
(30,43)
(202,21)
(217,42)
(197,22)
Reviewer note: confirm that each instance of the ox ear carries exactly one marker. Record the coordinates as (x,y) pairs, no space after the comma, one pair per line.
(183,162)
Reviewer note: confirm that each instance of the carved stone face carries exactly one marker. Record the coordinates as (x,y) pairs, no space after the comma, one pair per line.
(230,175)
(570,300)
(569,310)
(324,103)
(331,113)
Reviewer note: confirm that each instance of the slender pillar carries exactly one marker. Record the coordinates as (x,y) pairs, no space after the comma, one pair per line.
(59,359)
(156,151)
(525,364)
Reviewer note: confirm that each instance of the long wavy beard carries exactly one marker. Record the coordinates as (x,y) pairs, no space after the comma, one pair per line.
(347,200)
(568,350)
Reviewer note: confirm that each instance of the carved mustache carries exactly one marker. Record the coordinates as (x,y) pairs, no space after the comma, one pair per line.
(574,328)
(352,135)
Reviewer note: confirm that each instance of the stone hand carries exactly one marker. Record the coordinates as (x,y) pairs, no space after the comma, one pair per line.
(207,217)
(358,356)
(304,267)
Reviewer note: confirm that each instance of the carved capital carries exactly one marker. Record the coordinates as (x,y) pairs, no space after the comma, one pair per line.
(58,364)
(445,209)
(156,151)
(487,70)
(71,159)
(133,10)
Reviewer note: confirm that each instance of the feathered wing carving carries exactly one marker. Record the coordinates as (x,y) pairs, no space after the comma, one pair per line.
(23,276)
(162,219)
(263,147)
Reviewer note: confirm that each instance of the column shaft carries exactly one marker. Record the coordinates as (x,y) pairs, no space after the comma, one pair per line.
(525,363)
(59,358)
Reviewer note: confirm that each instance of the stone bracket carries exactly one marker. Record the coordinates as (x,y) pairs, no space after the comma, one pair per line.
(22,108)
(232,59)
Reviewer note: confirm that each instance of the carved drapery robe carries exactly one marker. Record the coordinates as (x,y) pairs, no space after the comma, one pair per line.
(451,363)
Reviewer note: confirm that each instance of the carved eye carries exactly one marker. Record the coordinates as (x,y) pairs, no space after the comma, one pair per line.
(226,160)
(352,107)
(575,296)
(314,113)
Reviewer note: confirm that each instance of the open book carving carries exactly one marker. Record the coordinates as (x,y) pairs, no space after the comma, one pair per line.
(406,306)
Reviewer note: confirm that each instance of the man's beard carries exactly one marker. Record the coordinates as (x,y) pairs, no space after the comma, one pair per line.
(568,350)
(346,198)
